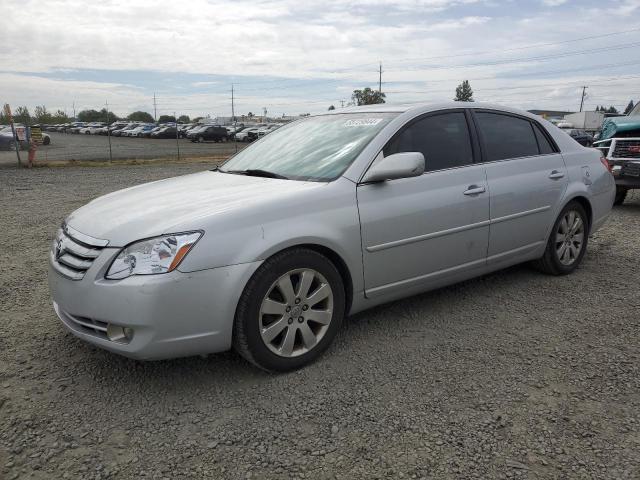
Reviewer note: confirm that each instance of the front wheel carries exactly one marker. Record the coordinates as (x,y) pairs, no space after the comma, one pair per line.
(568,241)
(290,311)
(621,194)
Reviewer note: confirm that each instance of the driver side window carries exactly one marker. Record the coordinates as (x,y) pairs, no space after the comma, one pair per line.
(443,139)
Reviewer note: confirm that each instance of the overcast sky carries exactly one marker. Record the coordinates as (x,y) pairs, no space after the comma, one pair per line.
(293,56)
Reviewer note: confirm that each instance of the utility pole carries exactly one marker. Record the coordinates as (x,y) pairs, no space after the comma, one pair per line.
(342,103)
(264,119)
(233,119)
(155,111)
(106,104)
(177,135)
(380,79)
(74,110)
(584,94)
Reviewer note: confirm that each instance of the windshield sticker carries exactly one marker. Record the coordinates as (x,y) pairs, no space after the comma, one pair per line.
(363,122)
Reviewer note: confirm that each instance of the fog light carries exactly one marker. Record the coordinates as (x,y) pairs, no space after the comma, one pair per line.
(119,334)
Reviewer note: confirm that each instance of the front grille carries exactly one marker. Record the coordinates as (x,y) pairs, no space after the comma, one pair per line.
(90,326)
(631,169)
(73,253)
(627,149)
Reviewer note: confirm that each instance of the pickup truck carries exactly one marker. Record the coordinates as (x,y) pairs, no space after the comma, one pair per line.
(619,143)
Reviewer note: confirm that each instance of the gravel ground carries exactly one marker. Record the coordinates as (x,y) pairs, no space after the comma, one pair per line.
(513,375)
(96,147)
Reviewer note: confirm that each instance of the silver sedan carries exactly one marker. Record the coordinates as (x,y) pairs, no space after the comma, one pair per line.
(322,218)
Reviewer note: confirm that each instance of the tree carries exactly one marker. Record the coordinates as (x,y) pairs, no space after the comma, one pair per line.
(184,119)
(21,115)
(331,107)
(612,109)
(464,93)
(629,108)
(97,116)
(41,115)
(196,119)
(166,119)
(59,117)
(250,114)
(367,97)
(140,116)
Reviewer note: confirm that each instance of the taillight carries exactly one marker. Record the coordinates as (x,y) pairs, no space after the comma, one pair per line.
(606,163)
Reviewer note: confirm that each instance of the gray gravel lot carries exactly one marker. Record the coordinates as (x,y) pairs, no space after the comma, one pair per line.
(96,147)
(513,375)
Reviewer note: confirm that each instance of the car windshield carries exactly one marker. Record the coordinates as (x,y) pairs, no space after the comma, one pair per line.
(317,148)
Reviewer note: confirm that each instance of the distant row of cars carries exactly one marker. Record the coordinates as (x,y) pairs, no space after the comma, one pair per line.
(196,132)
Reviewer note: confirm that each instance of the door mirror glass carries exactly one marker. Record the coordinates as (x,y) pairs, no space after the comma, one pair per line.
(398,165)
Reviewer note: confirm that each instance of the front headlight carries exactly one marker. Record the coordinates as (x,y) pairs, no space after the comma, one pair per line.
(152,256)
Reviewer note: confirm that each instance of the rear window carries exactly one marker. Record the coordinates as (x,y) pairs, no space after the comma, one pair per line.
(543,142)
(505,136)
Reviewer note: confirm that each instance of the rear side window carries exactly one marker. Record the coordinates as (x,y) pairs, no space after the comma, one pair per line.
(443,139)
(543,142)
(505,136)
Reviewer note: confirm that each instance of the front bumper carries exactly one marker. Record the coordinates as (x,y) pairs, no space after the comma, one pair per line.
(172,315)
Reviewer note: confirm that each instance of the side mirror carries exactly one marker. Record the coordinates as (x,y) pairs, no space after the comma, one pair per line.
(398,165)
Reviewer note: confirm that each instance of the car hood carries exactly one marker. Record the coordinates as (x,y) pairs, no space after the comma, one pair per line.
(177,204)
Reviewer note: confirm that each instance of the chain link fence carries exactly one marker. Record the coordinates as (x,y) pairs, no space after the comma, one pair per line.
(61,147)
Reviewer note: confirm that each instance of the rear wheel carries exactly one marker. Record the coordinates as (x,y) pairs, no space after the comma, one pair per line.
(290,311)
(568,241)
(46,141)
(621,194)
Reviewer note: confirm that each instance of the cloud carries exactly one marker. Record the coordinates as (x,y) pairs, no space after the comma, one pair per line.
(287,52)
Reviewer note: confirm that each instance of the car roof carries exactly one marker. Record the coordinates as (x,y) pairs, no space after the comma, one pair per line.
(424,107)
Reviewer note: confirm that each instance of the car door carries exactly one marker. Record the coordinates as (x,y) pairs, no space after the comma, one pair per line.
(527,178)
(417,231)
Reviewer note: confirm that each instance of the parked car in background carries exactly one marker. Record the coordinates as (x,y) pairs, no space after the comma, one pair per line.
(323,218)
(91,128)
(75,127)
(185,132)
(139,131)
(580,136)
(124,132)
(619,142)
(266,130)
(248,134)
(214,133)
(7,140)
(164,132)
(109,129)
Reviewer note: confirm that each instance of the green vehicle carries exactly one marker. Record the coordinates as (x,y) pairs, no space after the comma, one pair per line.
(619,143)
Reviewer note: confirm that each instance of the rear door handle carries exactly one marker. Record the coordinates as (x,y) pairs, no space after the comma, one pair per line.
(555,174)
(474,190)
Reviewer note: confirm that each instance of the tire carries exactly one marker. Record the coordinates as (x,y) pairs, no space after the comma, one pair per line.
(46,141)
(621,194)
(263,291)
(563,261)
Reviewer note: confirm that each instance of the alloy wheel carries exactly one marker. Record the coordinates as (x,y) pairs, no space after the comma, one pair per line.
(570,237)
(296,312)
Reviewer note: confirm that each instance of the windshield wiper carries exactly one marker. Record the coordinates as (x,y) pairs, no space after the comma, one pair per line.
(256,172)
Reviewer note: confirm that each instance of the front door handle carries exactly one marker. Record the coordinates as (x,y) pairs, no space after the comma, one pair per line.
(555,174)
(474,190)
